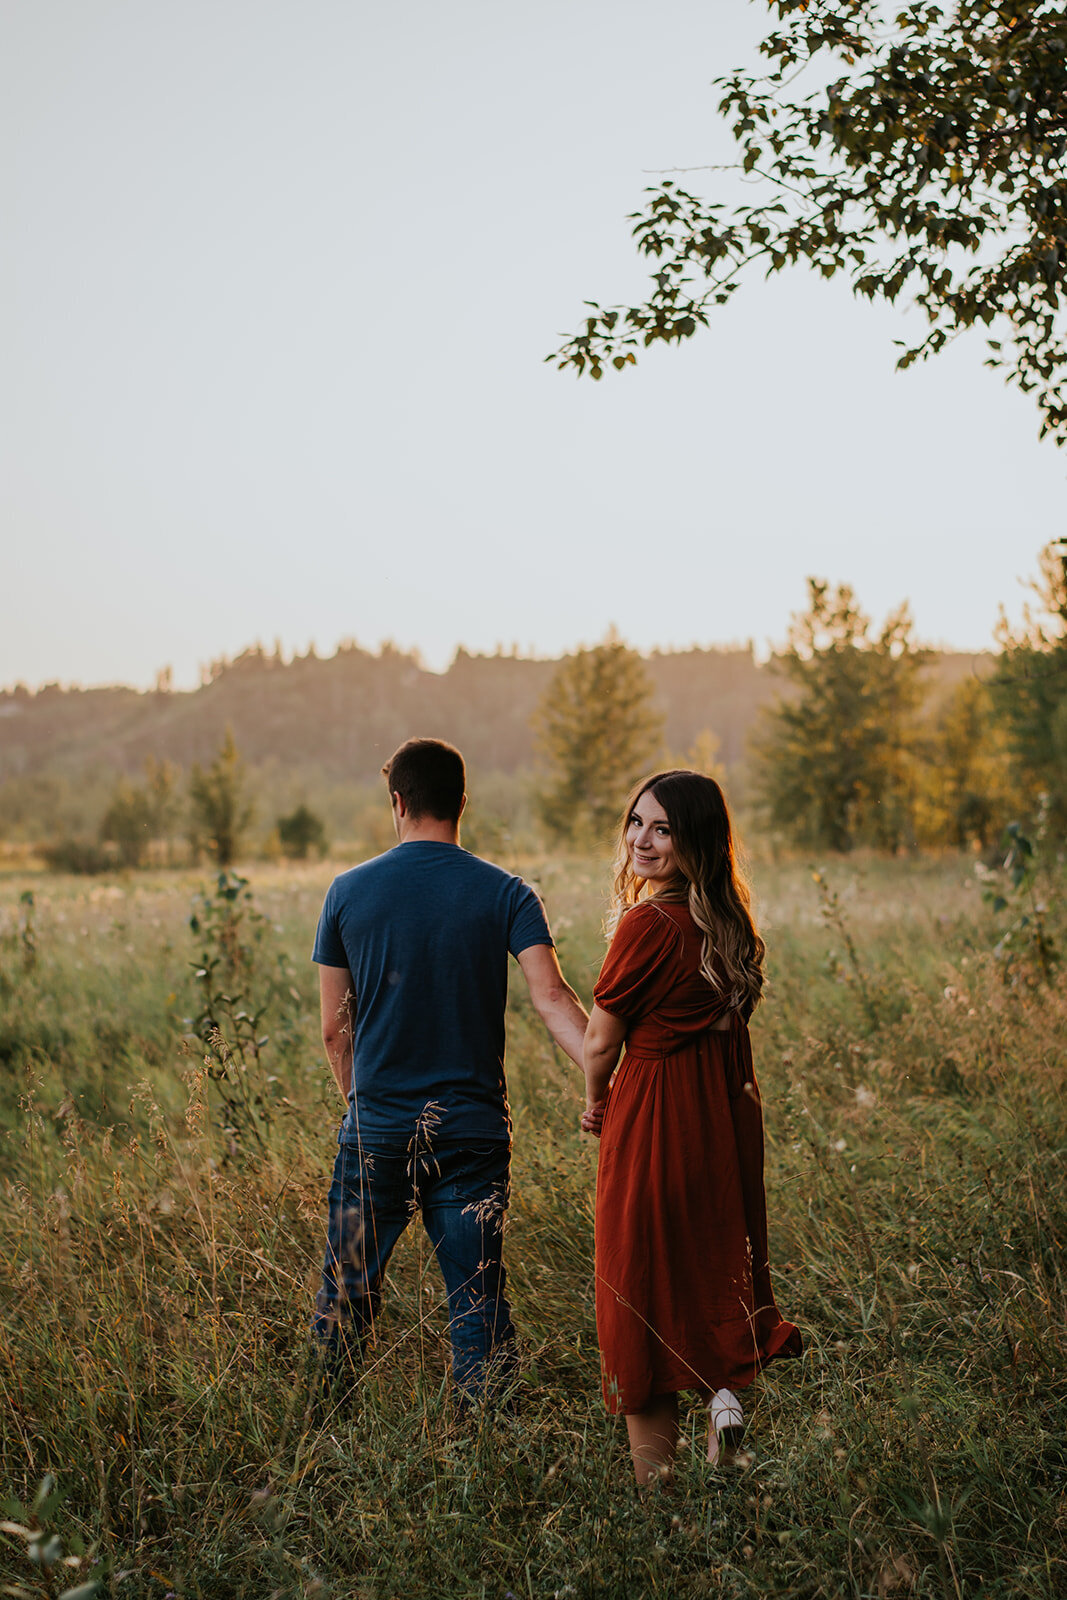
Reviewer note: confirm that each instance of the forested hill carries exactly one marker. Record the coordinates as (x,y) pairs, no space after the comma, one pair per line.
(344,714)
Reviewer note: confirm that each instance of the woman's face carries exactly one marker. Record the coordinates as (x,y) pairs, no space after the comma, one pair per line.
(648,839)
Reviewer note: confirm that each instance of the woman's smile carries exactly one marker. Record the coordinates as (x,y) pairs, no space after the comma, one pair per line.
(648,836)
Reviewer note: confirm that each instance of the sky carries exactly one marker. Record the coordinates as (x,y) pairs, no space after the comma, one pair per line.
(276,287)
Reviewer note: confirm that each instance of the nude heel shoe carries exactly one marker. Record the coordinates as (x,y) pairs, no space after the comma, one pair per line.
(726,1428)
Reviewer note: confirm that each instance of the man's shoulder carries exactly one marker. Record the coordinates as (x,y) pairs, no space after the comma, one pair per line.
(432,873)
(499,881)
(418,858)
(453,858)
(363,871)
(488,869)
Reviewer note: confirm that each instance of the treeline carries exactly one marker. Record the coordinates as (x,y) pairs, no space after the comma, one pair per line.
(850,735)
(314,731)
(862,746)
(165,819)
(856,753)
(344,714)
(316,728)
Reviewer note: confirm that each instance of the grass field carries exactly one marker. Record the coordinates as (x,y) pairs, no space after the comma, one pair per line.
(162,1230)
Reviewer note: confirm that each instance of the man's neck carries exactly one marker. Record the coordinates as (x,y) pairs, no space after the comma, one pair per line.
(427,830)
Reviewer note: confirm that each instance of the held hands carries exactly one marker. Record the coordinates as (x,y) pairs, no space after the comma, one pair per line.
(593,1116)
(600,1056)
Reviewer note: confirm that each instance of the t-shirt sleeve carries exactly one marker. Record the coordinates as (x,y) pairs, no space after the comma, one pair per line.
(528,925)
(329,950)
(639,968)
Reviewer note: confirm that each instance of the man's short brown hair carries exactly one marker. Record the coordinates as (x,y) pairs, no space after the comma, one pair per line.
(429,777)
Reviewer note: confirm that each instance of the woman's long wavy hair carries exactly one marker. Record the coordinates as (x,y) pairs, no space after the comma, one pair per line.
(714,886)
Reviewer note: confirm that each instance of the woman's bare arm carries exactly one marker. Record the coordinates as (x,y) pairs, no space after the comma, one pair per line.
(603,1042)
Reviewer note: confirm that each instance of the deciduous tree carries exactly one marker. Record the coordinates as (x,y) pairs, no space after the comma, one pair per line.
(933,166)
(965,792)
(300,832)
(220,810)
(834,757)
(127,823)
(598,728)
(1030,688)
(164,801)
(140,815)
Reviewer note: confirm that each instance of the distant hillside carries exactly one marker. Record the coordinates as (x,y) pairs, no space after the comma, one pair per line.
(346,713)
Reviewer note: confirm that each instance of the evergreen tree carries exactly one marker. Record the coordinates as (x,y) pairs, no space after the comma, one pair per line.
(220,812)
(835,757)
(598,728)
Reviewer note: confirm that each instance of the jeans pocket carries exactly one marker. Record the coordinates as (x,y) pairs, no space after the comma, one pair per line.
(479,1174)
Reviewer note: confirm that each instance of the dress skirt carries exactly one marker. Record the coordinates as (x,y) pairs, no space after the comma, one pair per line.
(683,1291)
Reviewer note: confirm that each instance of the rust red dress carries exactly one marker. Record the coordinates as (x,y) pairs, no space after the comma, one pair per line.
(683,1291)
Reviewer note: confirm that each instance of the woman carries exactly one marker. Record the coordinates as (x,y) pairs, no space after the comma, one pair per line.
(683,1295)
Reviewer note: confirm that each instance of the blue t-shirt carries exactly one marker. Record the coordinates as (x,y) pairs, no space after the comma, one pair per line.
(425,930)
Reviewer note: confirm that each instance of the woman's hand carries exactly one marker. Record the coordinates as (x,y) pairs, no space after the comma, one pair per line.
(593,1116)
(603,1042)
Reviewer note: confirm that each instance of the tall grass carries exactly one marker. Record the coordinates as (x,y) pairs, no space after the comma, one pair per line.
(157,1271)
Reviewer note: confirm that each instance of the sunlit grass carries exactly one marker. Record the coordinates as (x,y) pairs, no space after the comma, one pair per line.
(157,1279)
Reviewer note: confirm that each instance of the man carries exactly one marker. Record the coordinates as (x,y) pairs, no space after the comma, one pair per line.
(412,948)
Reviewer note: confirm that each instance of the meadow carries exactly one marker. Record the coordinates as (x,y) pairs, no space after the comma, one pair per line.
(162,1229)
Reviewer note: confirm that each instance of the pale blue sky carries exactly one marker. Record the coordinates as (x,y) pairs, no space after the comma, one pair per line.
(275,287)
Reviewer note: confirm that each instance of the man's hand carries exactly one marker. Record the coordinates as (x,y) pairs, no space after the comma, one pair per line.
(554,1000)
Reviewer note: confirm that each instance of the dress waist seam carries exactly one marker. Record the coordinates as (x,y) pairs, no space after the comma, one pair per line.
(694,1043)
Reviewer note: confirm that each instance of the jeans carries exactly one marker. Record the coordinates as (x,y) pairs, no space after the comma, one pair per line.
(462,1193)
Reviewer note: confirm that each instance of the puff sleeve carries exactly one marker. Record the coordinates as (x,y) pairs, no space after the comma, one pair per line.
(640,968)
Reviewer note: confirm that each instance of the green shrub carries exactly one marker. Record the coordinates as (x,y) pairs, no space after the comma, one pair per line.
(86,857)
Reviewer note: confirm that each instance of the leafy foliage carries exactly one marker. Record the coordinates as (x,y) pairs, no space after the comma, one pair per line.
(1030,689)
(834,756)
(301,832)
(221,813)
(18,945)
(598,728)
(932,165)
(1022,885)
(83,856)
(240,976)
(127,821)
(48,1556)
(965,791)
